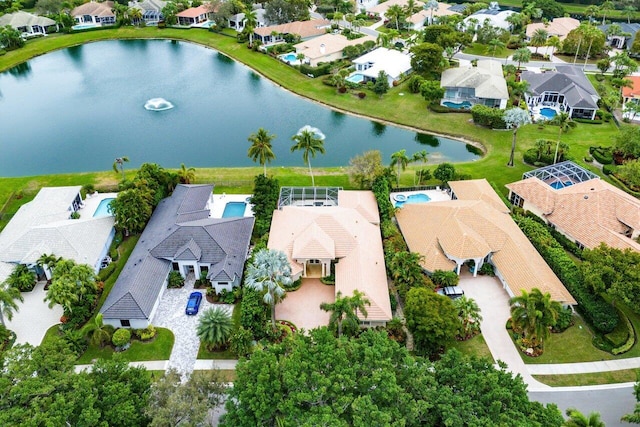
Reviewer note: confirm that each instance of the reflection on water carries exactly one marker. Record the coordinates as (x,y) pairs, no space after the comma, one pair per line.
(426,139)
(75,53)
(337,118)
(474,150)
(378,128)
(21,71)
(224,59)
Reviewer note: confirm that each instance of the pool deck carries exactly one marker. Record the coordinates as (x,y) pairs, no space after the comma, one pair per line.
(220,201)
(434,195)
(91,202)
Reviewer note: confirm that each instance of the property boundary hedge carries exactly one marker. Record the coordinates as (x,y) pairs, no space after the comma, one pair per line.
(600,314)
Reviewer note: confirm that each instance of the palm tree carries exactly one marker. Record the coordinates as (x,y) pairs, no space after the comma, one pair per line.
(98,333)
(629,11)
(431,5)
(604,8)
(591,11)
(555,43)
(119,163)
(186,175)
(469,315)
(534,313)
(48,262)
(261,149)
(565,123)
(395,13)
(400,159)
(539,38)
(8,296)
(514,118)
(521,55)
(251,20)
(135,15)
(577,419)
(494,45)
(310,140)
(214,327)
(21,278)
(344,311)
(420,156)
(268,273)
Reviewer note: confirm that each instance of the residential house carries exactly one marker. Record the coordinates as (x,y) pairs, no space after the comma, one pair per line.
(558,27)
(394,63)
(476,226)
(468,85)
(304,29)
(45,226)
(94,13)
(418,20)
(326,48)
(492,16)
(565,90)
(194,15)
(620,35)
(578,204)
(380,9)
(631,94)
(344,238)
(151,10)
(28,24)
(180,236)
(238,21)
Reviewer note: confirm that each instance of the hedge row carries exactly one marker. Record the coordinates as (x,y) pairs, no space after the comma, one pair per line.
(588,121)
(318,71)
(631,339)
(486,116)
(602,156)
(597,311)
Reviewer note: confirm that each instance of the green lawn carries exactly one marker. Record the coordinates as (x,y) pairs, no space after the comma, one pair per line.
(158,349)
(484,50)
(572,8)
(611,377)
(475,346)
(203,353)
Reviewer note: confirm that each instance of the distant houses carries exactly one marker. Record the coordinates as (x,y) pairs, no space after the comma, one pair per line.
(304,29)
(625,35)
(194,15)
(180,236)
(326,48)
(493,16)
(468,85)
(238,21)
(28,24)
(558,27)
(94,13)
(394,63)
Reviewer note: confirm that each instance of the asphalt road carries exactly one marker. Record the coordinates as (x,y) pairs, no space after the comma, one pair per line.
(611,403)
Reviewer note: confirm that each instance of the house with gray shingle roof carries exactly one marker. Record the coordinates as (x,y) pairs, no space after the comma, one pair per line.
(566,89)
(29,24)
(620,35)
(468,85)
(180,236)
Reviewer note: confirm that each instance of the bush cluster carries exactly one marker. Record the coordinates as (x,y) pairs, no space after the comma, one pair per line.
(486,116)
(320,70)
(602,155)
(596,310)
(145,334)
(121,337)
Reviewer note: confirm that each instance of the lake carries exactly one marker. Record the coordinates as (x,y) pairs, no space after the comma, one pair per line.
(77,109)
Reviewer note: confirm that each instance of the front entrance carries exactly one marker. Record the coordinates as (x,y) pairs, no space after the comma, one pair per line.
(314,270)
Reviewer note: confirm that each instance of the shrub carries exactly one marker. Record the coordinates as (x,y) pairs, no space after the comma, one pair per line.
(106,272)
(147,333)
(442,278)
(487,270)
(602,155)
(76,340)
(227,297)
(175,280)
(254,313)
(121,337)
(321,70)
(588,122)
(240,342)
(609,169)
(565,319)
(393,300)
(487,116)
(361,95)
(415,82)
(588,159)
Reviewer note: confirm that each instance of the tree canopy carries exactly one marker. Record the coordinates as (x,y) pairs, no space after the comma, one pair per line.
(427,58)
(371,380)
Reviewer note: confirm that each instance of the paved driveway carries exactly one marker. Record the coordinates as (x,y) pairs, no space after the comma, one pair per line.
(34,317)
(170,314)
(493,301)
(302,307)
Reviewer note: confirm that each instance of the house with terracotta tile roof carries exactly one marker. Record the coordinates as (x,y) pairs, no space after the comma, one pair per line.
(476,226)
(631,94)
(94,13)
(344,238)
(589,211)
(194,15)
(418,20)
(327,47)
(305,29)
(558,27)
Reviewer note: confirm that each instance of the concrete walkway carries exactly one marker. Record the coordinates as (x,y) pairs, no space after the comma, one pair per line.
(33,317)
(584,367)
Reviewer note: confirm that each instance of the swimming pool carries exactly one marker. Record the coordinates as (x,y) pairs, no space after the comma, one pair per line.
(289,57)
(234,209)
(412,198)
(208,24)
(558,185)
(104,208)
(355,78)
(464,105)
(548,113)
(84,26)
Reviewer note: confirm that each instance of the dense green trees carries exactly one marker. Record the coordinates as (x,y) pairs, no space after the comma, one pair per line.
(586,40)
(370,380)
(534,313)
(344,312)
(364,168)
(283,11)
(74,287)
(264,200)
(432,319)
(10,38)
(21,278)
(427,58)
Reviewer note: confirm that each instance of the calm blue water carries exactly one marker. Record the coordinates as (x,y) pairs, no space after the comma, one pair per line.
(234,209)
(103,208)
(457,105)
(289,57)
(77,109)
(355,78)
(414,198)
(549,113)
(558,185)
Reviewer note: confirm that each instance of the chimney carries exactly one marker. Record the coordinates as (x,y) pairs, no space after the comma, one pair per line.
(322,48)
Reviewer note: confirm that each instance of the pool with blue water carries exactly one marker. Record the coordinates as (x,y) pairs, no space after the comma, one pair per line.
(289,57)
(464,105)
(234,209)
(548,113)
(104,208)
(413,198)
(558,184)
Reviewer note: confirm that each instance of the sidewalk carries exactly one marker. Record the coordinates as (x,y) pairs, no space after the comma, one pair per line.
(584,367)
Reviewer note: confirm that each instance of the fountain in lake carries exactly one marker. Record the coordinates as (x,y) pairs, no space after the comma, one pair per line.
(158,104)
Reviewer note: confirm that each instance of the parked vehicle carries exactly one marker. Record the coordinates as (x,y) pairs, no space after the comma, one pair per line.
(194,303)
(453,292)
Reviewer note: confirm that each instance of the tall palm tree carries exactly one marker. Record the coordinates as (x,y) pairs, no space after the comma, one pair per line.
(399,159)
(135,15)
(604,8)
(539,38)
(494,45)
(48,262)
(577,419)
(98,333)
(431,5)
(521,55)
(395,13)
(119,163)
(420,156)
(261,149)
(514,118)
(269,272)
(534,313)
(186,175)
(344,310)
(629,12)
(214,327)
(310,141)
(8,297)
(469,315)
(251,20)
(555,43)
(565,123)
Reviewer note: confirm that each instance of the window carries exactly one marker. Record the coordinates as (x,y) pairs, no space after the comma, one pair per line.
(204,268)
(125,323)
(516,200)
(175,266)
(223,283)
(314,261)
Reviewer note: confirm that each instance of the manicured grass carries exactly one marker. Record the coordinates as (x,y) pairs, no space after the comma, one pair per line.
(203,353)
(610,377)
(51,333)
(225,375)
(475,346)
(485,50)
(158,349)
(574,8)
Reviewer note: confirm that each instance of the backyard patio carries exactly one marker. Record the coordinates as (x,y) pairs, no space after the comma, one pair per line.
(302,307)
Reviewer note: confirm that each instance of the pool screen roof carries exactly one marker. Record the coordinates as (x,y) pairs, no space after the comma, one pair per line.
(308,196)
(565,173)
